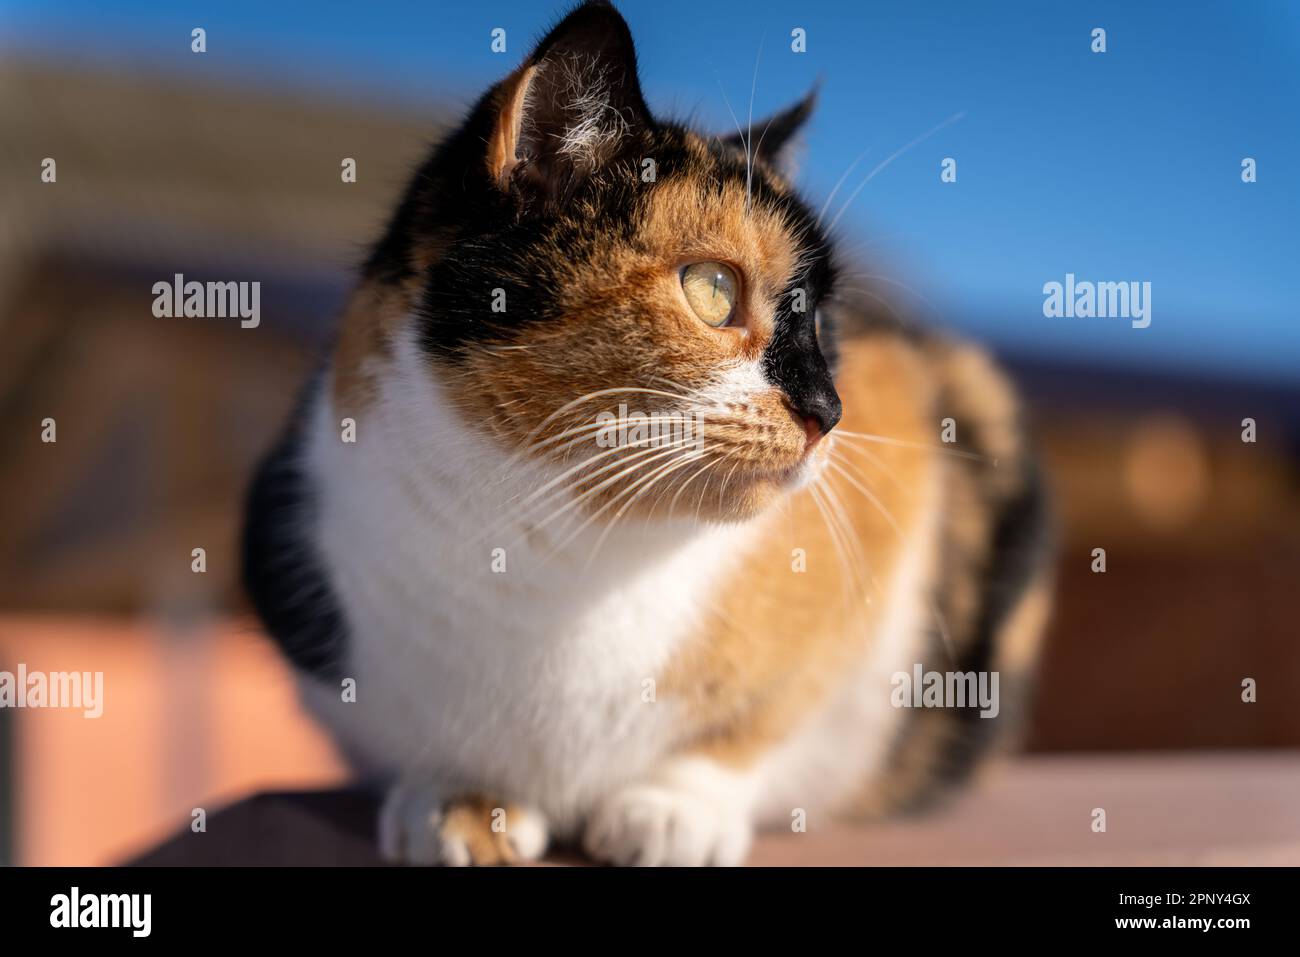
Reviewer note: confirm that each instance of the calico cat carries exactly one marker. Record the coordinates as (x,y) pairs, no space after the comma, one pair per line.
(614,520)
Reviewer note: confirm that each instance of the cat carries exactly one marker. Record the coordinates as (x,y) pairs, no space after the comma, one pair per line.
(536,620)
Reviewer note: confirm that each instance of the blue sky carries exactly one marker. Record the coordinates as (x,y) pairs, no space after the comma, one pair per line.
(1116,166)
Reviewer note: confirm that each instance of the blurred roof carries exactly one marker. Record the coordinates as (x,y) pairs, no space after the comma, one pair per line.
(1117,166)
(151,169)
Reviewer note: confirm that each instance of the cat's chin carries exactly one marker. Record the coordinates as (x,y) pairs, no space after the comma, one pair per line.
(751,496)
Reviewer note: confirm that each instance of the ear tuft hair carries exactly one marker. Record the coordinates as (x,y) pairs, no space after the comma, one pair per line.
(573,106)
(773,139)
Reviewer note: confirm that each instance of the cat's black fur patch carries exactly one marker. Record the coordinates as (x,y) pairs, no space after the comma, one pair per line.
(488,245)
(1020,548)
(794,358)
(283,575)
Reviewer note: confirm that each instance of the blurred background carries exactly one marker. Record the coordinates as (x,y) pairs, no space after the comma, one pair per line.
(1115,166)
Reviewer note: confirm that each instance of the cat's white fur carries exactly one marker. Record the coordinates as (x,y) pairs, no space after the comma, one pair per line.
(535,685)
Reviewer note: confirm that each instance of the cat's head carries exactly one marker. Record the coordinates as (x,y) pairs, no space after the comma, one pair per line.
(573,262)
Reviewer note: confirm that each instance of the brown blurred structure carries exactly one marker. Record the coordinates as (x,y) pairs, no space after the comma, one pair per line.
(196,714)
(160,422)
(1201,532)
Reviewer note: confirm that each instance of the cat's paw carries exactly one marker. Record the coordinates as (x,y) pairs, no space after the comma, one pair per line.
(418,825)
(663,825)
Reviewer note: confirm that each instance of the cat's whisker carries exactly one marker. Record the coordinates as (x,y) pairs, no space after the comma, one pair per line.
(675,451)
(551,494)
(840,182)
(526,506)
(815,493)
(651,480)
(727,481)
(652,443)
(871,497)
(599,393)
(750,153)
(686,392)
(578,500)
(586,430)
(855,546)
(889,306)
(734,119)
(759,145)
(871,457)
(497,350)
(919,446)
(901,285)
(892,156)
(654,509)
(672,506)
(704,486)
(856,251)
(580,434)
(518,511)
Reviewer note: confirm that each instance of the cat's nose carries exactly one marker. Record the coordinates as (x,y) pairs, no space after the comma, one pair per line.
(820,412)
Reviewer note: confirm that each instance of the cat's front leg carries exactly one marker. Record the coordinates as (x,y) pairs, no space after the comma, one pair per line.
(423,822)
(691,811)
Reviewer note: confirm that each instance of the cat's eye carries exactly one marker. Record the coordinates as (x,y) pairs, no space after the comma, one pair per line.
(711,290)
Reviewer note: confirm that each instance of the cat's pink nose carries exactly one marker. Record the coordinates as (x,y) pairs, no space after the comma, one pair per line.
(812,428)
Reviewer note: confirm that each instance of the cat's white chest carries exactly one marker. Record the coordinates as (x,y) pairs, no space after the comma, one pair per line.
(484,659)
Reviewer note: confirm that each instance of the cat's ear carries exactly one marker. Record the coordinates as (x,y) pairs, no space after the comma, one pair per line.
(573,106)
(774,138)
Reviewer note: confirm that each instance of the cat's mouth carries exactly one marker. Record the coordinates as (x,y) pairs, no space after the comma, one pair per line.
(788,466)
(794,475)
(744,494)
